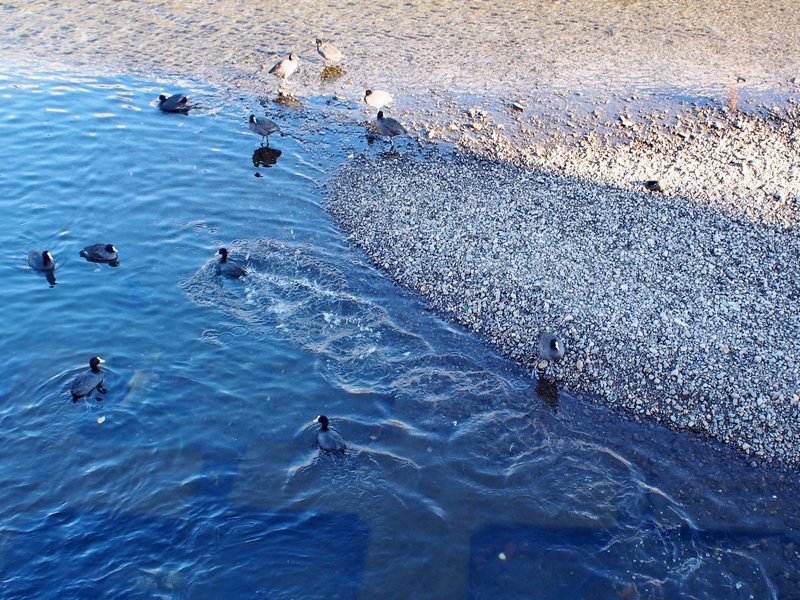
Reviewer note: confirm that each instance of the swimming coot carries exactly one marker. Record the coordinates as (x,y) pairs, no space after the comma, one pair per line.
(329,439)
(100,253)
(228,267)
(41,261)
(88,381)
(175,103)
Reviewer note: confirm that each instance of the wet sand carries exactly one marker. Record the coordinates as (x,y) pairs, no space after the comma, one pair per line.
(420,48)
(701,98)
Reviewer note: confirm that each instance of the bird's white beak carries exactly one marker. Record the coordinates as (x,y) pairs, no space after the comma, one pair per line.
(100,360)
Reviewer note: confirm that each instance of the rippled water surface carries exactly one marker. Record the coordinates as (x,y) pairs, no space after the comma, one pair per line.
(197,477)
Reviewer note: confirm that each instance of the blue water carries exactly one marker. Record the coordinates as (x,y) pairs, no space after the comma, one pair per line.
(196,475)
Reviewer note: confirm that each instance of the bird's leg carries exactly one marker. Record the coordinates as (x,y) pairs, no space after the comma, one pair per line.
(101,389)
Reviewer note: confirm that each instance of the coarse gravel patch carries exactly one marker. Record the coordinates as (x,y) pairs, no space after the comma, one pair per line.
(745,163)
(670,308)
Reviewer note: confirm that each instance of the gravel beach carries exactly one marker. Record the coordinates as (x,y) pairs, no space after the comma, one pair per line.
(680,306)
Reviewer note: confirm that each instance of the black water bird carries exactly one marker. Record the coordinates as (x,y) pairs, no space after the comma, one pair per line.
(100,253)
(228,267)
(85,383)
(329,439)
(551,348)
(263,127)
(653,185)
(177,103)
(389,127)
(41,261)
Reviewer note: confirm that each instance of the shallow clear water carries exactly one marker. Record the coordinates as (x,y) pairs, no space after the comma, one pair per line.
(202,480)
(501,50)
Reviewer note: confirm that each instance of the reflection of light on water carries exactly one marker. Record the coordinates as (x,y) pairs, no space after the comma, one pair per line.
(331,318)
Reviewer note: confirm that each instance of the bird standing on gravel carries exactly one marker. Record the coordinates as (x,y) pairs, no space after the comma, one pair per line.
(389,127)
(653,185)
(551,348)
(285,67)
(263,127)
(329,52)
(377,98)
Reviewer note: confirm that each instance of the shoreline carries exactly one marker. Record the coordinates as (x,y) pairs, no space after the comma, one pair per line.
(710,112)
(672,309)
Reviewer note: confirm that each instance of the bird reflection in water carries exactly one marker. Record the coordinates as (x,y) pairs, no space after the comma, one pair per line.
(265,156)
(547,390)
(111,263)
(51,278)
